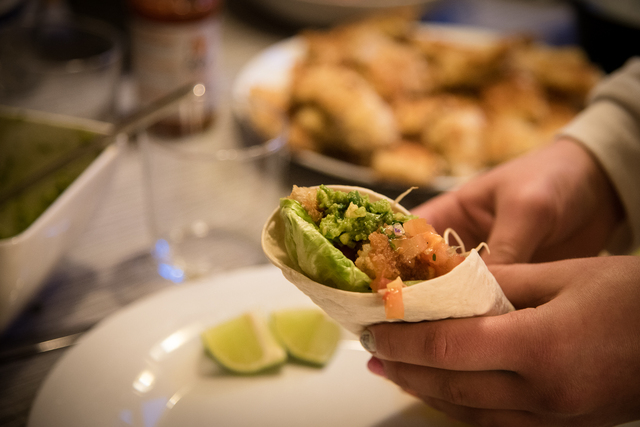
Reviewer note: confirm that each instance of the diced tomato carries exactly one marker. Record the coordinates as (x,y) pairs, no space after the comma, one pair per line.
(416,226)
(453,261)
(379,283)
(392,297)
(411,247)
(443,260)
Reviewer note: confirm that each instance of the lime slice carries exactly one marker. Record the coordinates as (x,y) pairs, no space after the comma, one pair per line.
(244,344)
(307,334)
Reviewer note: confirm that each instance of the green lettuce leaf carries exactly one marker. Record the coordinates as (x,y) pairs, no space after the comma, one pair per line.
(315,255)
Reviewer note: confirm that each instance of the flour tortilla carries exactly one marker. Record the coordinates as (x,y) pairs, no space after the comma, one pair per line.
(466,291)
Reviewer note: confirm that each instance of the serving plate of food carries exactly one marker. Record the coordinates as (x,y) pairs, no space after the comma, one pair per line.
(394,102)
(146,366)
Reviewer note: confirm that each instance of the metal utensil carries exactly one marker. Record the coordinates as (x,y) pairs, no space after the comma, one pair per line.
(22,351)
(135,121)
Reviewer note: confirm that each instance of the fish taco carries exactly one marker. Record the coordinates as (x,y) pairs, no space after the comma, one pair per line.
(364,259)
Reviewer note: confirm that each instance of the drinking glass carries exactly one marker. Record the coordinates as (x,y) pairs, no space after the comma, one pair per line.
(71,68)
(210,193)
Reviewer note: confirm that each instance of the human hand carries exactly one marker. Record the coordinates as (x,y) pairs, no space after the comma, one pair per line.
(552,204)
(569,357)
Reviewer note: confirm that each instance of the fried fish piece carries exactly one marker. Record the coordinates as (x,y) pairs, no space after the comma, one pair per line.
(565,70)
(353,116)
(462,65)
(327,45)
(413,114)
(268,109)
(323,47)
(456,131)
(517,93)
(408,162)
(508,136)
(300,138)
(394,68)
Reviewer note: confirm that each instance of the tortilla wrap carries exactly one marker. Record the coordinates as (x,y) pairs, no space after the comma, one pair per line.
(466,291)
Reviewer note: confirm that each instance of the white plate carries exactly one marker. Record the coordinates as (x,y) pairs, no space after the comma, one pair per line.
(145,366)
(272,67)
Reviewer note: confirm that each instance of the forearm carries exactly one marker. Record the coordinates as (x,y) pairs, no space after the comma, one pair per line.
(610,129)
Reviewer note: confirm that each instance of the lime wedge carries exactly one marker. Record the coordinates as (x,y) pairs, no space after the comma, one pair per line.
(307,334)
(244,344)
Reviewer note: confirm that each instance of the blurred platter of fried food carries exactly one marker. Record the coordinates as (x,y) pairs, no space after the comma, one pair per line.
(389,99)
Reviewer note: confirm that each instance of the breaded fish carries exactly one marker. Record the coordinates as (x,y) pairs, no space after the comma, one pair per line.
(409,163)
(352,115)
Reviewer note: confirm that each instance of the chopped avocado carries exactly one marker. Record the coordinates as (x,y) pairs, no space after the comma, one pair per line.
(350,217)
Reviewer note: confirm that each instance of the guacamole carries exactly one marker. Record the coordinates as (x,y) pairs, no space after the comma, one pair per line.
(350,218)
(26,146)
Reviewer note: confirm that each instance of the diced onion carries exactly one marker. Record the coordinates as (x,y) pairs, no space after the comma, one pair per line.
(416,226)
(410,248)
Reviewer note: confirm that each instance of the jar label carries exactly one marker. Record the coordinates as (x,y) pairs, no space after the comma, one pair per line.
(168,55)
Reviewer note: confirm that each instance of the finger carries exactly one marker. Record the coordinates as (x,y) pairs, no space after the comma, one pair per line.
(586,241)
(471,344)
(483,417)
(521,225)
(529,285)
(478,389)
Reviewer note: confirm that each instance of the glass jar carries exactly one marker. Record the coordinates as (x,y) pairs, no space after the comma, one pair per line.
(173,43)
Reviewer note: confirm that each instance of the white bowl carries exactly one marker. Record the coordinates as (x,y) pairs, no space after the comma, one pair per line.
(330,12)
(27,259)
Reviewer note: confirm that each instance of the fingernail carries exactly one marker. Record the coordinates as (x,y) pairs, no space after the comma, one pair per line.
(376,366)
(368,341)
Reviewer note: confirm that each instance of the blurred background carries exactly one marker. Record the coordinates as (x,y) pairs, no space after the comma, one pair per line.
(98,58)
(606,29)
